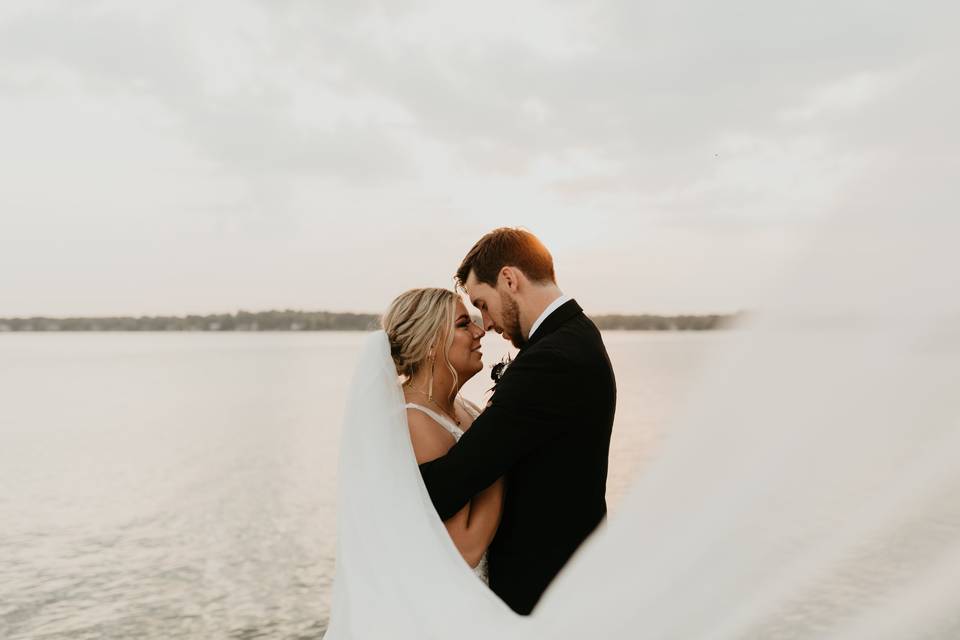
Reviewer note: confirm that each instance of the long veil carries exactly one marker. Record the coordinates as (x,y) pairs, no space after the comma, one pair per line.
(811,490)
(398,574)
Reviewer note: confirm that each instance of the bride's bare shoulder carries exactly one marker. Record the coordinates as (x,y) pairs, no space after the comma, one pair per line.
(430,440)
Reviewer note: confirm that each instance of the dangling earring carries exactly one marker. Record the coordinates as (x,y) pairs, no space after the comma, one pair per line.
(430,386)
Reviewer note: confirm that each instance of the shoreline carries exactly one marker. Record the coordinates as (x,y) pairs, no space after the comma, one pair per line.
(313,321)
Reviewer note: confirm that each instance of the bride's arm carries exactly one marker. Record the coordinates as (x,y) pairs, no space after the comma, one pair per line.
(473,527)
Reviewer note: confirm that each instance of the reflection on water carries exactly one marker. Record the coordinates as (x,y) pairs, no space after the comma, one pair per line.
(183,485)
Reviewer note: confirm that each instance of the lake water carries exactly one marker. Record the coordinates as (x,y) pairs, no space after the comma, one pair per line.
(172,485)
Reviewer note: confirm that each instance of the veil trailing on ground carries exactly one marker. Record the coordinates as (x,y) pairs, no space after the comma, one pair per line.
(810,491)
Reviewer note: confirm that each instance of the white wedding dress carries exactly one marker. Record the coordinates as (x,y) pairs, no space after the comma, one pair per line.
(808,491)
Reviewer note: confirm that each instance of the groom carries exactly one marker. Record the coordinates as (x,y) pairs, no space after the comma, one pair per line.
(547,427)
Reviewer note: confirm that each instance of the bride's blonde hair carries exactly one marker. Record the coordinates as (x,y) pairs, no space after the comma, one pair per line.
(418,321)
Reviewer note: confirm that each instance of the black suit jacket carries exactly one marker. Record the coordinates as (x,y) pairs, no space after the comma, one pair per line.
(547,430)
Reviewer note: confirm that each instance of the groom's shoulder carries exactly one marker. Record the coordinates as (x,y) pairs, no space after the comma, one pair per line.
(577,333)
(575,343)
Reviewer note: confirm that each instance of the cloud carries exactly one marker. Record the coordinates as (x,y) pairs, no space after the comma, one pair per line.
(231,94)
(294,130)
(842,97)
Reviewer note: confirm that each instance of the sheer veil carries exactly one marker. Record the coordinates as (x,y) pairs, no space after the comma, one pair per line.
(810,490)
(398,574)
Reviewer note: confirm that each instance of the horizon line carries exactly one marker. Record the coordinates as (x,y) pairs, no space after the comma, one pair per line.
(325,311)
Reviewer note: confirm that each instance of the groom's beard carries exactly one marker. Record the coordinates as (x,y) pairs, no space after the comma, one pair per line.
(511,320)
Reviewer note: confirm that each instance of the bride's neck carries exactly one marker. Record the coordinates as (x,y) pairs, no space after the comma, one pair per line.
(443,388)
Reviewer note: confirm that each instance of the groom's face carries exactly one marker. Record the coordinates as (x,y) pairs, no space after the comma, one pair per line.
(498,309)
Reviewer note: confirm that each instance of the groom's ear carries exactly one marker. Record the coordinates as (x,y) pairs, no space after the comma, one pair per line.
(510,277)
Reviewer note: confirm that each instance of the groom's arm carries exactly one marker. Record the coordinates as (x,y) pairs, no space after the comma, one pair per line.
(530,407)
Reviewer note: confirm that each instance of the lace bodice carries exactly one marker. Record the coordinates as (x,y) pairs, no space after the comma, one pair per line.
(448,424)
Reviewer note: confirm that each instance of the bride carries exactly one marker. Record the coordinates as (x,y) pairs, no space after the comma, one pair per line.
(395,557)
(435,347)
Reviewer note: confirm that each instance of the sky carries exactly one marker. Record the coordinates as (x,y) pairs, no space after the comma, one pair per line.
(186,157)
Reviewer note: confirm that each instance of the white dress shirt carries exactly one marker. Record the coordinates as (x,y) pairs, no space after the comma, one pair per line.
(546,312)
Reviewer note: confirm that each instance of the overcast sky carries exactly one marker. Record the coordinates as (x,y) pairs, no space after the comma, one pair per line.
(179,157)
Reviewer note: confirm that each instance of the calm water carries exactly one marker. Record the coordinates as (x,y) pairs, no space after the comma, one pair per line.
(183,485)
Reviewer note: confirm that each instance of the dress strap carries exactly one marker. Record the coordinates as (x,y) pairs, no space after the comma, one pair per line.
(443,420)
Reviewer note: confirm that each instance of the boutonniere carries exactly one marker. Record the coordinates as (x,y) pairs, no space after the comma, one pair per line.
(497,371)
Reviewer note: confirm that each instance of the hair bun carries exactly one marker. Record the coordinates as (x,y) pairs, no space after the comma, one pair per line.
(396,349)
(415,320)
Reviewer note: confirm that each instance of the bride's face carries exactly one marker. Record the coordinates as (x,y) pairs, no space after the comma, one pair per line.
(464,354)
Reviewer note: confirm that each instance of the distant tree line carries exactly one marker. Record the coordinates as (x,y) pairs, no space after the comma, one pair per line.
(290,320)
(648,322)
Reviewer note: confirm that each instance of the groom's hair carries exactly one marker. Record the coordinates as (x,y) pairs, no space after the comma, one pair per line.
(507,247)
